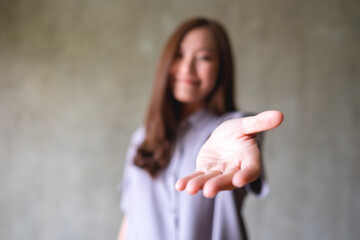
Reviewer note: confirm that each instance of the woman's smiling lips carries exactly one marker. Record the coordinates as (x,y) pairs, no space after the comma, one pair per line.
(187,81)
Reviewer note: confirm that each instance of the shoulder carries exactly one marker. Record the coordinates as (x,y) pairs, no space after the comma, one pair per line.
(137,137)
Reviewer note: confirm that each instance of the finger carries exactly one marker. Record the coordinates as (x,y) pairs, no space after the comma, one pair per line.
(219,183)
(195,184)
(262,122)
(246,175)
(181,183)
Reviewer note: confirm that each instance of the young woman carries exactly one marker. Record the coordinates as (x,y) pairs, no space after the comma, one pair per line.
(192,124)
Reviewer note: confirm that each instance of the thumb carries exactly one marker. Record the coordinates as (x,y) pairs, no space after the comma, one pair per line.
(262,122)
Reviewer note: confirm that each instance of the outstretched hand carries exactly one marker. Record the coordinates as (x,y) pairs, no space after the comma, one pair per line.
(230,158)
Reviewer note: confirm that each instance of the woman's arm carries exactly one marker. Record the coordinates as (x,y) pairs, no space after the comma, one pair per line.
(123,229)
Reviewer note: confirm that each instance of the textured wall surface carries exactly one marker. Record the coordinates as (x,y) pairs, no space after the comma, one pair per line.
(75,78)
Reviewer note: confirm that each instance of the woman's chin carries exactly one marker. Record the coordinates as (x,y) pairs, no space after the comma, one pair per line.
(186,99)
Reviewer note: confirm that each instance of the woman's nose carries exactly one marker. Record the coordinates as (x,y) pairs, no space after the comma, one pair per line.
(186,66)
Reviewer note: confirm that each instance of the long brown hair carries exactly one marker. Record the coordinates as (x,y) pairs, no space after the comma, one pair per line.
(163,115)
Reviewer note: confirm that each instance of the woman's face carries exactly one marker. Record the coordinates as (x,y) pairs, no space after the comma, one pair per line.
(195,68)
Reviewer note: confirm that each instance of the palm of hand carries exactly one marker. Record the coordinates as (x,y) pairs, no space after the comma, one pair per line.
(227,148)
(230,158)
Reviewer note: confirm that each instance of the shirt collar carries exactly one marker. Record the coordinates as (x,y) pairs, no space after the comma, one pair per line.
(195,120)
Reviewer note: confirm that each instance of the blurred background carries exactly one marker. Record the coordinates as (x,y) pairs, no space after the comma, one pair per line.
(76,76)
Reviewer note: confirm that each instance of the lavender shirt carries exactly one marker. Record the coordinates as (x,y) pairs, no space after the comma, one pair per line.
(155,210)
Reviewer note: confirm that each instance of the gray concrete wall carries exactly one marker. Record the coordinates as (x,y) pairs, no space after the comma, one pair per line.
(75,77)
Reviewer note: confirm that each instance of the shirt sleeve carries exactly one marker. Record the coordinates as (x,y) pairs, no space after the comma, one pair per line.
(125,184)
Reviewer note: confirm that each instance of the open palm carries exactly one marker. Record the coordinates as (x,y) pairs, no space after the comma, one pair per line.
(230,158)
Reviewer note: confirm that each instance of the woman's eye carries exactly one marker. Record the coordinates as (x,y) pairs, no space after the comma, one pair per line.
(205,58)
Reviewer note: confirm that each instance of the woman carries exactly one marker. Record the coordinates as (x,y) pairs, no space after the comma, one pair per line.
(193,99)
